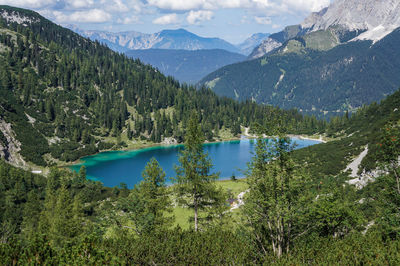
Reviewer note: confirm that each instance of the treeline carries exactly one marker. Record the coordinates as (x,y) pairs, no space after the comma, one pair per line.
(66,93)
(288,217)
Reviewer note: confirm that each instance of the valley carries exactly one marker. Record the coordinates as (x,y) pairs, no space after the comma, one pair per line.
(169,148)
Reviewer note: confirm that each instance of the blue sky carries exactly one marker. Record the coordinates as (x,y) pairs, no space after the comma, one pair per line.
(232,20)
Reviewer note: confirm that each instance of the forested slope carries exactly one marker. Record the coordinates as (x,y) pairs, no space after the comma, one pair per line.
(351,136)
(320,82)
(64,96)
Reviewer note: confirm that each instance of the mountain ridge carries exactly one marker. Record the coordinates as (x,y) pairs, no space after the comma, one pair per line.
(184,65)
(370,20)
(322,69)
(179,39)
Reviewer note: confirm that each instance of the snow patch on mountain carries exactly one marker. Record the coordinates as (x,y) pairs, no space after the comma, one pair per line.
(376,18)
(18,18)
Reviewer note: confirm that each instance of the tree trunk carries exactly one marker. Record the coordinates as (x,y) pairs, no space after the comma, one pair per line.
(195,216)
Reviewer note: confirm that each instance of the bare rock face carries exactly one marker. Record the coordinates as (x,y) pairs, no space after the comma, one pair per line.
(376,18)
(265,47)
(10,150)
(370,19)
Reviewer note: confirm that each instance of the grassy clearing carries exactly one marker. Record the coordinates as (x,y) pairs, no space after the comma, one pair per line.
(182,215)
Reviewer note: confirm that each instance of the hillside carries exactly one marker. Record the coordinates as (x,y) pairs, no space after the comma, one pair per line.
(64,96)
(351,136)
(351,75)
(335,61)
(66,218)
(248,45)
(186,66)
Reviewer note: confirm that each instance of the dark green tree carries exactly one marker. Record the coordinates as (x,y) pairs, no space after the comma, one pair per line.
(148,204)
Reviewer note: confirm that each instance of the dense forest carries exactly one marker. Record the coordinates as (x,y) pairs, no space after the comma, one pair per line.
(63,96)
(66,96)
(290,216)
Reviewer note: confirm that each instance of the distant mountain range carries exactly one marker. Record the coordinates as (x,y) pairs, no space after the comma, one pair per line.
(186,66)
(338,59)
(178,53)
(179,39)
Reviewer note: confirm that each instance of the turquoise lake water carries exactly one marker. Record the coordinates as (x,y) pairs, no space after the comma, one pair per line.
(115,167)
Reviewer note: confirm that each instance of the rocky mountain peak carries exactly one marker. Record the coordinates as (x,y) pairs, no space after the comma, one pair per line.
(376,18)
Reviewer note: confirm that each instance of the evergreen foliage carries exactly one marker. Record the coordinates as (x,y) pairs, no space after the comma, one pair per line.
(195,185)
(66,96)
(319,82)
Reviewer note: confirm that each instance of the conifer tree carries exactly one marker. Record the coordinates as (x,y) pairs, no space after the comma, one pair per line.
(195,185)
(148,203)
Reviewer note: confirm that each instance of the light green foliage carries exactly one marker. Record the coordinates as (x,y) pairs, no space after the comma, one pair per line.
(195,186)
(277,196)
(333,213)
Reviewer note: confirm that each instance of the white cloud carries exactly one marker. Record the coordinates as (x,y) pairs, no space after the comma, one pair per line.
(198,16)
(167,19)
(276,26)
(80,3)
(28,3)
(118,6)
(180,5)
(306,5)
(128,20)
(89,16)
(271,6)
(263,20)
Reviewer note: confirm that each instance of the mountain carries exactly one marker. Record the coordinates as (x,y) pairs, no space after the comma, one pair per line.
(63,96)
(333,62)
(344,20)
(186,66)
(248,45)
(179,39)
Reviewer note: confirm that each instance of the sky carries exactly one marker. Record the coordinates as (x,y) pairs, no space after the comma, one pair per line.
(231,20)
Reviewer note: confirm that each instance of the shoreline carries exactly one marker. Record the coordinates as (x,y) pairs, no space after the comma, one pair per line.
(155,145)
(320,139)
(142,147)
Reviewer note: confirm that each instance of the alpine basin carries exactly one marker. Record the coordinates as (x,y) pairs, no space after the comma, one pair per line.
(115,167)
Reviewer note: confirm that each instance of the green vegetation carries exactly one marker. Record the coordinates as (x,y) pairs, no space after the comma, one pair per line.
(351,134)
(298,206)
(318,80)
(287,219)
(195,185)
(65,96)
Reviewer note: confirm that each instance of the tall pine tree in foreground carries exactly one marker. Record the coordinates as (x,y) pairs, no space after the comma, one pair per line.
(195,186)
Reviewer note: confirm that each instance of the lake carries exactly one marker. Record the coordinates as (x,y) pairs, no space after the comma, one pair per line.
(115,167)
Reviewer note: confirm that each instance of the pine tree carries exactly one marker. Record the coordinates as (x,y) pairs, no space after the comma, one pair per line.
(195,185)
(148,203)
